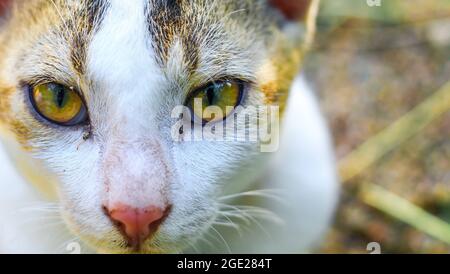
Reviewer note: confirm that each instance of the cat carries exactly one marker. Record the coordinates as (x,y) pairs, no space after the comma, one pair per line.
(95,154)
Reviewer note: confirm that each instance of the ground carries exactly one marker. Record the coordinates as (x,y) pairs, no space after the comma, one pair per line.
(370,67)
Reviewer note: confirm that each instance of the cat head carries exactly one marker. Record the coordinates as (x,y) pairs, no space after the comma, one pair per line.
(88,93)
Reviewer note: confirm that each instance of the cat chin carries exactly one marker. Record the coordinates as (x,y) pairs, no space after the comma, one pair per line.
(113,243)
(143,250)
(105,247)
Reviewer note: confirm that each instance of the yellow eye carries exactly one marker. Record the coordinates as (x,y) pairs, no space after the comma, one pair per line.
(216,101)
(58,104)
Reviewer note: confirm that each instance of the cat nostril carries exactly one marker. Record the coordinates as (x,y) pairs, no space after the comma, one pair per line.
(136,224)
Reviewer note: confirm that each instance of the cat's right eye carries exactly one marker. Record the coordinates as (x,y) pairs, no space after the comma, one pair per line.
(224,95)
(58,104)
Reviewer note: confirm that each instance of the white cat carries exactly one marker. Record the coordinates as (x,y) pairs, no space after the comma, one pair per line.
(88,94)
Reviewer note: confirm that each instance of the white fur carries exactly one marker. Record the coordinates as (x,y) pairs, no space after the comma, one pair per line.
(304,166)
(304,170)
(131,157)
(26,226)
(124,64)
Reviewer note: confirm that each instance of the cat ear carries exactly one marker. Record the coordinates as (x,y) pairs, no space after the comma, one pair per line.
(4,6)
(294,10)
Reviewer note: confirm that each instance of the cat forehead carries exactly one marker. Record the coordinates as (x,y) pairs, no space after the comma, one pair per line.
(192,22)
(202,22)
(201,35)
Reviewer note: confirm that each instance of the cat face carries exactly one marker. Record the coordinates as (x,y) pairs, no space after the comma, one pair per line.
(88,91)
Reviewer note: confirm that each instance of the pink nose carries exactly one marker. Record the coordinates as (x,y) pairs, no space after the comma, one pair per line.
(137,224)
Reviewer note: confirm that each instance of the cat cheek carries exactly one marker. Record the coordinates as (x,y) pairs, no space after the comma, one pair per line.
(14,118)
(4,103)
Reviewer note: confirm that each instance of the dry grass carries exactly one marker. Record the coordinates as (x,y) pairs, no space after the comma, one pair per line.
(382,76)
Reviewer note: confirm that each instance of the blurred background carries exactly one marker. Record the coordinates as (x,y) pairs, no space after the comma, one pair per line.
(381,73)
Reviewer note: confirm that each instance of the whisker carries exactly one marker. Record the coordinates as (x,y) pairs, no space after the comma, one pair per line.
(228,222)
(223,239)
(194,247)
(235,214)
(208,242)
(263,214)
(251,214)
(255,221)
(259,211)
(40,218)
(40,210)
(262,193)
(231,13)
(48,225)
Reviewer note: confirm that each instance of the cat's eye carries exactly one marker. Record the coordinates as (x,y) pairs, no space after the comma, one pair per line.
(216,101)
(58,104)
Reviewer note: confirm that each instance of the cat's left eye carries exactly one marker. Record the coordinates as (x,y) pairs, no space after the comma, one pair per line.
(58,104)
(216,101)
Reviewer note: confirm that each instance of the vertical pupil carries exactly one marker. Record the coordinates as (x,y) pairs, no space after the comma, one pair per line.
(60,96)
(211,94)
